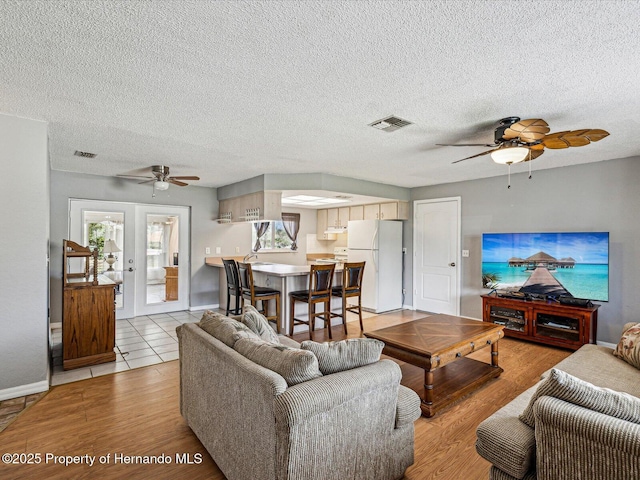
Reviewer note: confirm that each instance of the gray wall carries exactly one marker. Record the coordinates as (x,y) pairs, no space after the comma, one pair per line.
(24,191)
(204,209)
(602,196)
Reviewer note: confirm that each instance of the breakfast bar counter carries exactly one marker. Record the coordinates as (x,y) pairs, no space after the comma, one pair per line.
(283,277)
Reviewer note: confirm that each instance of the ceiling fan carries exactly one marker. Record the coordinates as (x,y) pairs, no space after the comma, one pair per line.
(532,135)
(518,140)
(161,178)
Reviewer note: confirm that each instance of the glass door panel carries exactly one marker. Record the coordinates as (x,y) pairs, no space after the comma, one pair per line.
(163,253)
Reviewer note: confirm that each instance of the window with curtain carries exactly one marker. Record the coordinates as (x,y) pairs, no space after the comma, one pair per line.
(278,235)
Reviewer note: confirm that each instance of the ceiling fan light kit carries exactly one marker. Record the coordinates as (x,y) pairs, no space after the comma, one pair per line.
(510,155)
(161,185)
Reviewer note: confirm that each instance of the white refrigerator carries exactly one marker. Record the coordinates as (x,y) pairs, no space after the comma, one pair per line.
(379,243)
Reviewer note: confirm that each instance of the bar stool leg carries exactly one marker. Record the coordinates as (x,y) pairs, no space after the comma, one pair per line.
(292,314)
(312,318)
(278,316)
(360,313)
(344,314)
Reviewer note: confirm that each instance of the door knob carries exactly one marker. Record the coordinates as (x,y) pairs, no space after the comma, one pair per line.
(452,264)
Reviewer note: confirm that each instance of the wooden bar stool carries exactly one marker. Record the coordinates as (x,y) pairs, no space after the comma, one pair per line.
(233,286)
(259,294)
(320,281)
(351,287)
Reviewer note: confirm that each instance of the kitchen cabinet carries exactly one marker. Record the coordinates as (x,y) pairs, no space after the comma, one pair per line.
(338,217)
(322,223)
(387,211)
(265,205)
(356,212)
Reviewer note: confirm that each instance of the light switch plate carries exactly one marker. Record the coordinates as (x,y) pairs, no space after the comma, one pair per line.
(218,250)
(207,251)
(465,253)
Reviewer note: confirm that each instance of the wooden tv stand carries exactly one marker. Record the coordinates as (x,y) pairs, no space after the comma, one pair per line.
(542,321)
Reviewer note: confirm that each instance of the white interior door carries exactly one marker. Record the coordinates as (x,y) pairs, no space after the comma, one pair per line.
(162,252)
(436,256)
(93,223)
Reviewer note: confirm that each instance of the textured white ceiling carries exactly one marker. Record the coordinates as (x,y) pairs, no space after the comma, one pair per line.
(229,90)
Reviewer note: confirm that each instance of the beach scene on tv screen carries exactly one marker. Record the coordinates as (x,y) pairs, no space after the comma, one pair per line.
(551,264)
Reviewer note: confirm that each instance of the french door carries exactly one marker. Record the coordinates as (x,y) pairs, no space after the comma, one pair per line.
(143,248)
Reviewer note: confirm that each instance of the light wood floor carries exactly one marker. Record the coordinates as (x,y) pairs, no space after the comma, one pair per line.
(137,413)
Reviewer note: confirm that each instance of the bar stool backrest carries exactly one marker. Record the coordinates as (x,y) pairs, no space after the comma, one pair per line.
(320,280)
(231,270)
(352,277)
(246,279)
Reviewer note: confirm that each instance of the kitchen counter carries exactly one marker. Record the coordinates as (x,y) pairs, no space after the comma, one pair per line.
(272,269)
(286,278)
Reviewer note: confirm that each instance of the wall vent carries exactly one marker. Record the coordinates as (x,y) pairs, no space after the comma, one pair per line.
(390,124)
(78,153)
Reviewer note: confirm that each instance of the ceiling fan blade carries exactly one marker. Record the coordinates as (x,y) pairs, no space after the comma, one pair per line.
(176,182)
(147,181)
(528,131)
(555,140)
(474,156)
(467,145)
(534,152)
(132,176)
(596,134)
(186,178)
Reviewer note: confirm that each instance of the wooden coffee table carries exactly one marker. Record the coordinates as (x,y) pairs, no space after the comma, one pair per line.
(439,344)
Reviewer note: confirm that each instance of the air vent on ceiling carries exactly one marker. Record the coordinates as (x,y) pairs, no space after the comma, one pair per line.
(390,124)
(78,153)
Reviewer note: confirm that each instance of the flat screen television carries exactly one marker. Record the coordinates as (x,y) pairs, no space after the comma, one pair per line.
(548,264)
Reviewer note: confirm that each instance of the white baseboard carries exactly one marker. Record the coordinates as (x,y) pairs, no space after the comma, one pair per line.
(408,307)
(204,307)
(606,344)
(22,390)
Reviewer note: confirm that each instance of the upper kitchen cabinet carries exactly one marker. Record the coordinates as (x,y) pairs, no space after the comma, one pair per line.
(387,211)
(323,224)
(356,212)
(338,217)
(265,205)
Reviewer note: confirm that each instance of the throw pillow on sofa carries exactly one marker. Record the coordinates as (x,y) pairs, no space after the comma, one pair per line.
(566,387)
(258,324)
(628,348)
(224,328)
(294,365)
(344,355)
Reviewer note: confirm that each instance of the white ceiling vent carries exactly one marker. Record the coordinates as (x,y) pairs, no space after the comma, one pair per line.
(78,153)
(390,124)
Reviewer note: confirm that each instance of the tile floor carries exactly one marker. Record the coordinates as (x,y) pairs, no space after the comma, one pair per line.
(140,342)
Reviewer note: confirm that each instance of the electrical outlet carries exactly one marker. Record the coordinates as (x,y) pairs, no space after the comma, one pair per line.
(237,249)
(465,253)
(218,250)
(207,251)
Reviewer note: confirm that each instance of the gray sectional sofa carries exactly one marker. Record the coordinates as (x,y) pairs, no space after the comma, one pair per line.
(571,437)
(354,424)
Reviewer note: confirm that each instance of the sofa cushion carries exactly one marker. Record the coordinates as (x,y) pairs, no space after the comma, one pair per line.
(294,365)
(258,324)
(505,441)
(566,387)
(628,348)
(223,328)
(344,355)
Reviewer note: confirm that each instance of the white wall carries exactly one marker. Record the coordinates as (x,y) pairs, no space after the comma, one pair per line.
(602,196)
(24,192)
